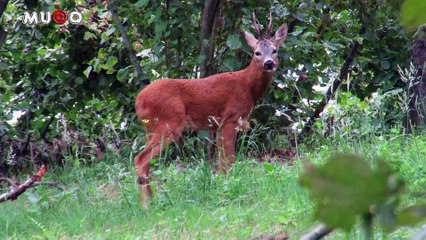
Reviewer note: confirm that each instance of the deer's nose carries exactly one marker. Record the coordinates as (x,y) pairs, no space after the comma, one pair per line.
(269,65)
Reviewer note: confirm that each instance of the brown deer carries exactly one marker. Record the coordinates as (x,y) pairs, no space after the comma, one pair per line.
(220,102)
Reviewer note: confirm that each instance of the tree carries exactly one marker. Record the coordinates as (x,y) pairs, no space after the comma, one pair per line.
(416,116)
(3,33)
(207,36)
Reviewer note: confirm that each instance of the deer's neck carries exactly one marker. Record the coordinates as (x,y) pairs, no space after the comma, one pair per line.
(258,80)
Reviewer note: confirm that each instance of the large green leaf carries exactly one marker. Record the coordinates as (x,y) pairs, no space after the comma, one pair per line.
(112,61)
(122,74)
(141,3)
(345,187)
(3,66)
(233,41)
(87,71)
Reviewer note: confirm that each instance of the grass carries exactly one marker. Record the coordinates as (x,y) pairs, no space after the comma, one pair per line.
(101,200)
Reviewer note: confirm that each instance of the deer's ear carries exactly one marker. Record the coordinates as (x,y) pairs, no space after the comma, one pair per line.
(251,40)
(280,35)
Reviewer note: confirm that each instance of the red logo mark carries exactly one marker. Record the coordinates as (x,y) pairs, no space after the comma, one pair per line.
(59,17)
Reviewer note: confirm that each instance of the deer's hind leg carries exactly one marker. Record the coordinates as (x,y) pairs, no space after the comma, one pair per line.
(157,140)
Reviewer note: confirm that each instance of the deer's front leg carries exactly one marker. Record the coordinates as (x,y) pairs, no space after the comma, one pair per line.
(227,150)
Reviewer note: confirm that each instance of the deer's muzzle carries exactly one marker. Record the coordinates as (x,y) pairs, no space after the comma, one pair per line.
(269,65)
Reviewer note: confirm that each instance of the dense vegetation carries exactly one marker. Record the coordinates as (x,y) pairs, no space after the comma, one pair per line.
(80,77)
(345,84)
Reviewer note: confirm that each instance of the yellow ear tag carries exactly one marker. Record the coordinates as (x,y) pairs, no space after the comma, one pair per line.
(145,121)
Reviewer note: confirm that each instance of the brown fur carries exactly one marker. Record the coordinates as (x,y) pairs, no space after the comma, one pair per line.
(220,102)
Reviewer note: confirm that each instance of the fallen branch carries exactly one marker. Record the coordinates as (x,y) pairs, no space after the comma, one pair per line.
(319,232)
(14,184)
(15,192)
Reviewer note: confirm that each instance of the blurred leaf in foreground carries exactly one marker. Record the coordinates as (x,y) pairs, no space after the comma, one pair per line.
(346,187)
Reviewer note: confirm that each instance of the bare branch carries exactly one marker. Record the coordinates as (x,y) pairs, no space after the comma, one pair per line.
(15,192)
(46,129)
(344,72)
(140,73)
(319,232)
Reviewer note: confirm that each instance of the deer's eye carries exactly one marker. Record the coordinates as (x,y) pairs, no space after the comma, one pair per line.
(274,51)
(258,53)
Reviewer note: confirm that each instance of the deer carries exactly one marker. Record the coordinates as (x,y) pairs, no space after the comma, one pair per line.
(221,103)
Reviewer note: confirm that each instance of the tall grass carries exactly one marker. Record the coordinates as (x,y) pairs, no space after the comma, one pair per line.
(191,202)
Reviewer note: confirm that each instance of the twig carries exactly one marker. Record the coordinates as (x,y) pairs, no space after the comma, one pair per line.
(26,144)
(14,184)
(319,232)
(117,136)
(344,71)
(139,72)
(15,192)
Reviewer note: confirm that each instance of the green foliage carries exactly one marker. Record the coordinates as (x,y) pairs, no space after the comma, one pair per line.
(234,42)
(351,116)
(346,187)
(83,72)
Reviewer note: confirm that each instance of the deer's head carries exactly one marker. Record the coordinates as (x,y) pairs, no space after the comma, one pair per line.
(265,49)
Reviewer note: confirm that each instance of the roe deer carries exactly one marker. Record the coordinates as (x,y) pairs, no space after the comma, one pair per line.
(220,102)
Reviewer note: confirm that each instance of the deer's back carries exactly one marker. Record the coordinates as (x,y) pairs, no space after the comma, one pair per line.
(221,96)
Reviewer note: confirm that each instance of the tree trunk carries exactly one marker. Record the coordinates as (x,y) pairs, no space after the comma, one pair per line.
(3,5)
(3,33)
(416,116)
(210,10)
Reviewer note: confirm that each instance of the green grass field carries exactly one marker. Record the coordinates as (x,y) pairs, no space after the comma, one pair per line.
(101,200)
